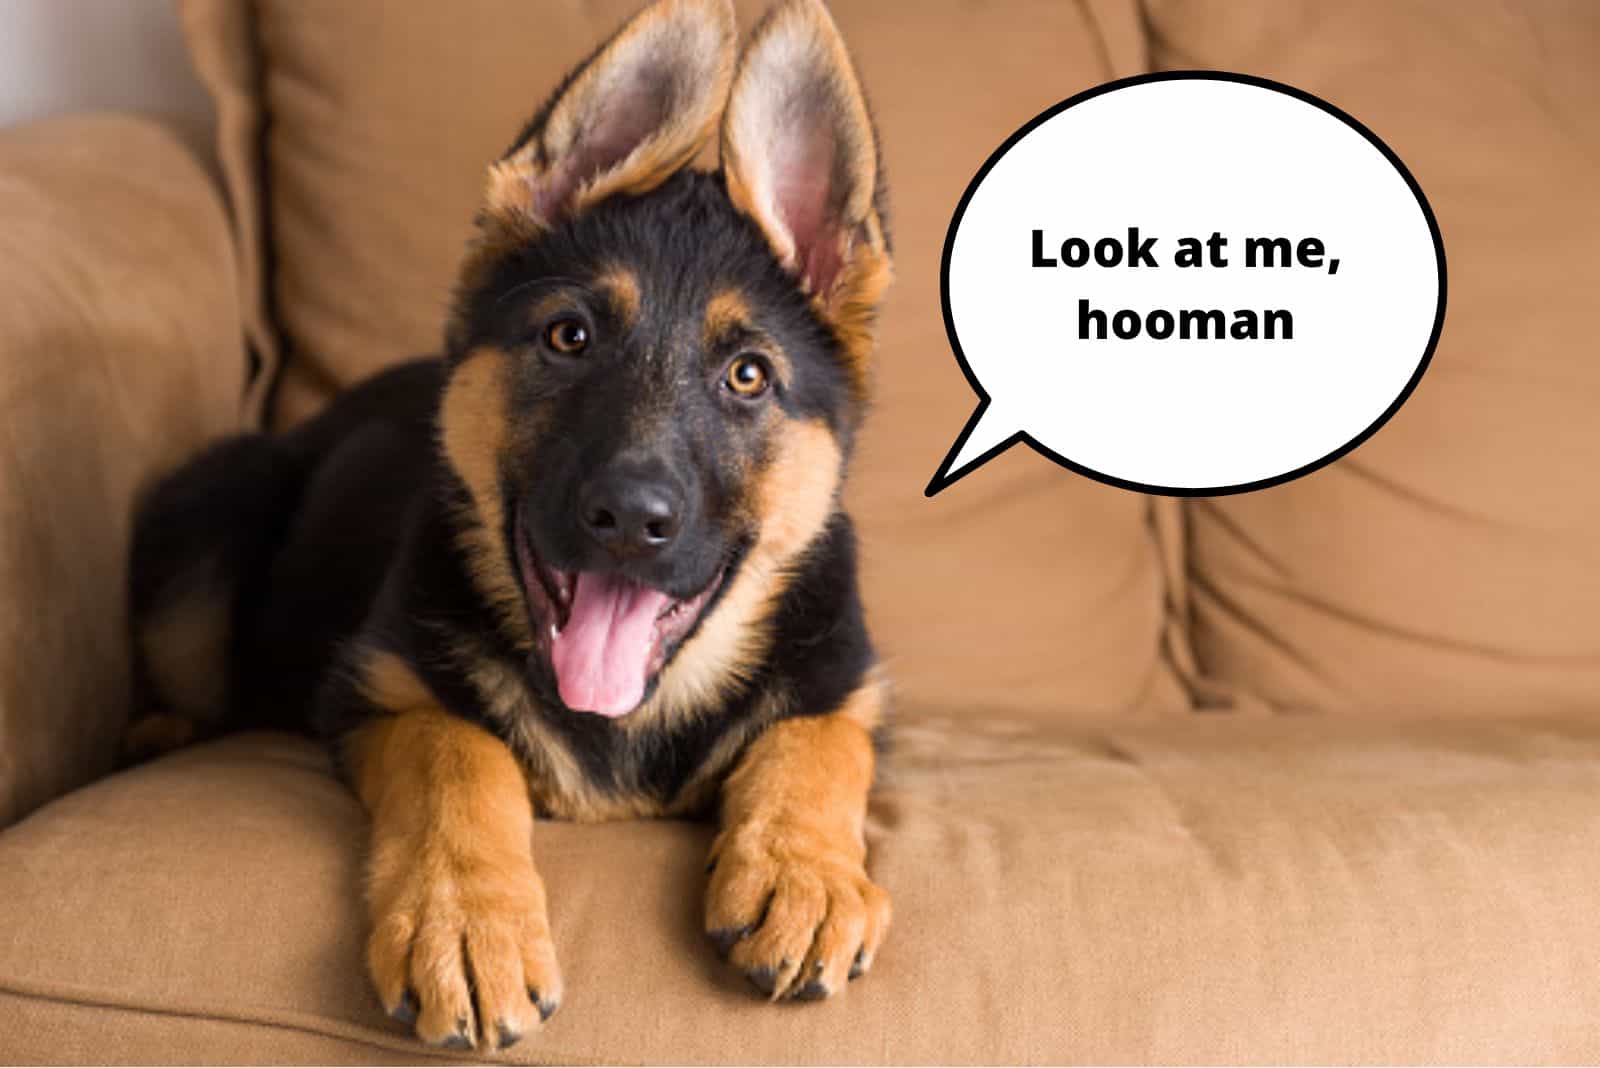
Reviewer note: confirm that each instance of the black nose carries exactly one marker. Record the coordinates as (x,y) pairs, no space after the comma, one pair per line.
(631,512)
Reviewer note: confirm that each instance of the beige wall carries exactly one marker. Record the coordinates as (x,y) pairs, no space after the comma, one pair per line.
(69,55)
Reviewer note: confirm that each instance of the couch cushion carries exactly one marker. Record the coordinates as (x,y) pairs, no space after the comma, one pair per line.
(1220,890)
(1451,562)
(1025,585)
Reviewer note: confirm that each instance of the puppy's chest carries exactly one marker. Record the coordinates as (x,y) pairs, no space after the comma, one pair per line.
(593,769)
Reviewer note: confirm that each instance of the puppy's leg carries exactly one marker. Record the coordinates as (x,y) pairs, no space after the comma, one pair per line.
(195,534)
(789,900)
(460,940)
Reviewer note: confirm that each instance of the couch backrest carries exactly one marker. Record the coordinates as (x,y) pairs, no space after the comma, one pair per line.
(1452,563)
(355,136)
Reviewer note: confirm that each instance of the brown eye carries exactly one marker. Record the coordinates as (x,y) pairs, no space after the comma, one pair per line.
(567,336)
(747,376)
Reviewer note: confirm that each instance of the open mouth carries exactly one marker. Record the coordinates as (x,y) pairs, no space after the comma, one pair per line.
(605,636)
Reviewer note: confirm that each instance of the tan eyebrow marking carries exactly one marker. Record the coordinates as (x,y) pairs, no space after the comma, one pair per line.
(621,287)
(728,315)
(726,312)
(549,306)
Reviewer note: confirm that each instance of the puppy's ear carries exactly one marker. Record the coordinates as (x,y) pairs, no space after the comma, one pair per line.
(801,158)
(625,120)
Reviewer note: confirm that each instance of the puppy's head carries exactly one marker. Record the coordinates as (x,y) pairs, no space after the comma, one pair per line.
(657,372)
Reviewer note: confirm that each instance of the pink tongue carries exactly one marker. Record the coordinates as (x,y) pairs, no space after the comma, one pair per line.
(602,655)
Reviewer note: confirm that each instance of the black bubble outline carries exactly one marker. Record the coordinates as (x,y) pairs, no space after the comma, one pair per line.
(941,480)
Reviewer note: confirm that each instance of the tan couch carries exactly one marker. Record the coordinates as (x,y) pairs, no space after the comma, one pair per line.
(1304,775)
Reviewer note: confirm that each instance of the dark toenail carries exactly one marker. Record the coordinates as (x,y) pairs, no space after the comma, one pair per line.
(547,1009)
(764,979)
(509,1036)
(406,1010)
(812,991)
(459,1040)
(859,965)
(728,937)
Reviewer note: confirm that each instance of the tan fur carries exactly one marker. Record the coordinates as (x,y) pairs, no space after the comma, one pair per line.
(549,306)
(507,196)
(797,491)
(184,643)
(621,288)
(852,307)
(473,432)
(726,312)
(700,792)
(698,35)
(391,684)
(868,706)
(458,910)
(794,497)
(556,783)
(790,879)
(797,48)
(184,646)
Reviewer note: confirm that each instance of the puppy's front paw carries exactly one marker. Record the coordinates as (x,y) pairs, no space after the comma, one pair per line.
(460,949)
(797,915)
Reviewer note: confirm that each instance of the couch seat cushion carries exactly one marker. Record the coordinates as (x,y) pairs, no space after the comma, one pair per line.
(1222,890)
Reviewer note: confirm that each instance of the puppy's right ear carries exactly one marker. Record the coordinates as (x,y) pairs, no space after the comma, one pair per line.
(625,120)
(800,155)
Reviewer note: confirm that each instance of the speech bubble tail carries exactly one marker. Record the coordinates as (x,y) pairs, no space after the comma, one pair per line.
(986,435)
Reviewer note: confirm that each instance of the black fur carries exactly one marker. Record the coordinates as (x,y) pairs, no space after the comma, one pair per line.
(300,527)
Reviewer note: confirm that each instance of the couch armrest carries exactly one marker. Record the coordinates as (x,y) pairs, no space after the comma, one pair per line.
(120,352)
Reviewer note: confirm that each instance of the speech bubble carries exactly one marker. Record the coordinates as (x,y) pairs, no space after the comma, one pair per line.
(1189,283)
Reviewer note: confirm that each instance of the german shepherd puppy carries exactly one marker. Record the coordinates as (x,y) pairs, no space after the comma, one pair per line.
(592,563)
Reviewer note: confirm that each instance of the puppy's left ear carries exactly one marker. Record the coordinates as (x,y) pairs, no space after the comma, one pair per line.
(625,121)
(801,158)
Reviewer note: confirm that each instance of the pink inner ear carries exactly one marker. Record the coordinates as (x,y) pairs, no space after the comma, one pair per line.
(806,202)
(632,112)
